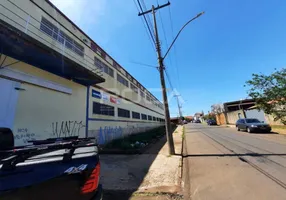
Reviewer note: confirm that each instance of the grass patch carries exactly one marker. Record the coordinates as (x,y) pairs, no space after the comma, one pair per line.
(183,134)
(168,195)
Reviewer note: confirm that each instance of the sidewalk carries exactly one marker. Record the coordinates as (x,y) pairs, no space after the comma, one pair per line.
(152,173)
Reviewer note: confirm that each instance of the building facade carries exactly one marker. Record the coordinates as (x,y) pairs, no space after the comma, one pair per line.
(55,81)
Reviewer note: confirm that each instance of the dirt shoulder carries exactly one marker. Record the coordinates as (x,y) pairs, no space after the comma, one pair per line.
(151,174)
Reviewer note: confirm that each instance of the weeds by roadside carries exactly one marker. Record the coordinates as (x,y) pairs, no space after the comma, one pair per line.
(171,196)
(137,141)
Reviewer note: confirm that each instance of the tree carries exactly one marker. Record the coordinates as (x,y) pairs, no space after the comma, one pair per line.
(269,92)
(217,108)
(209,116)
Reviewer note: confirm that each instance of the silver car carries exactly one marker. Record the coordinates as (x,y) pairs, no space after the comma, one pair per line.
(252,125)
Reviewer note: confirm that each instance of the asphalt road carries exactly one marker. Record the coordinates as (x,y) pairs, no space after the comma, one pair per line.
(222,163)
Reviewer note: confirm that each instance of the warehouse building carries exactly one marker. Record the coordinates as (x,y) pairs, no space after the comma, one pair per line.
(55,81)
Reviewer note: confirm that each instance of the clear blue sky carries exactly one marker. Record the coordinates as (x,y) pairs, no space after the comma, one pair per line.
(214,55)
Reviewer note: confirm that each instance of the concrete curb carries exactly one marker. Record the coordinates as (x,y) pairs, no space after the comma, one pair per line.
(181,160)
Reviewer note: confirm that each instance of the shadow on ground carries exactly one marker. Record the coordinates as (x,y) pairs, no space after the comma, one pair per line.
(124,174)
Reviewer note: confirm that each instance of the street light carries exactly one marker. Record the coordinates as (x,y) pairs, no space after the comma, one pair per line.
(198,15)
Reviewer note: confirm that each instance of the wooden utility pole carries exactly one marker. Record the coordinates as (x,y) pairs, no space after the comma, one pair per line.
(162,78)
(179,106)
(180,111)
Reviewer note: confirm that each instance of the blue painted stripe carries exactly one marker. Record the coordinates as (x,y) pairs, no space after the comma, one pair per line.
(87,112)
(118,120)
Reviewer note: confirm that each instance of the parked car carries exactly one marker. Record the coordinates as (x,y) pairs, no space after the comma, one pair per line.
(198,121)
(64,168)
(211,122)
(252,125)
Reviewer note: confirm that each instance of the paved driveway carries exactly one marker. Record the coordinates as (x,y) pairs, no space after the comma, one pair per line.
(221,163)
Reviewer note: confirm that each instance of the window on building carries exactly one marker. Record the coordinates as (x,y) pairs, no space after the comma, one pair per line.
(158,119)
(149,118)
(93,46)
(134,88)
(48,28)
(142,94)
(143,117)
(108,59)
(102,109)
(123,113)
(148,98)
(154,118)
(78,48)
(111,72)
(103,67)
(122,80)
(135,115)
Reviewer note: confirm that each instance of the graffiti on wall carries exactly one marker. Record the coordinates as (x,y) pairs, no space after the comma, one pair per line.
(67,128)
(23,135)
(106,134)
(109,133)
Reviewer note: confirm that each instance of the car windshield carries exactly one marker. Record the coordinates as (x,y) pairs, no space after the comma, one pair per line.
(252,121)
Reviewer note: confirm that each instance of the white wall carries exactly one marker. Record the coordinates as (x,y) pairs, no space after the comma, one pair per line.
(43,113)
(258,114)
(232,117)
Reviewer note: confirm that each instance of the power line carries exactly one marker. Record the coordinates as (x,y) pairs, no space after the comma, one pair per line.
(165,35)
(148,16)
(169,80)
(149,29)
(143,64)
(175,52)
(146,28)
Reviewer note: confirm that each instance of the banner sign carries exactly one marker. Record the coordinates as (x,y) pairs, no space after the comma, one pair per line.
(104,96)
(96,94)
(113,100)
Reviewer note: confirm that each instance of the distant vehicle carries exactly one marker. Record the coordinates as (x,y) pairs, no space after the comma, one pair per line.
(252,125)
(211,122)
(198,121)
(185,122)
(52,169)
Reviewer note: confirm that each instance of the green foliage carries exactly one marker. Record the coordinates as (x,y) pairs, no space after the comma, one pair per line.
(209,116)
(131,141)
(269,92)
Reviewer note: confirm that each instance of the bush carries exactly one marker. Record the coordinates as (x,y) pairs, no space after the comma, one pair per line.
(137,141)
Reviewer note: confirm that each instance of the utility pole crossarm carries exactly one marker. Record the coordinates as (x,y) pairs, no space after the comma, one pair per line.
(157,8)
